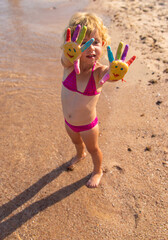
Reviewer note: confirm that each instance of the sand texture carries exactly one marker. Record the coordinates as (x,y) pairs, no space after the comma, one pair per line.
(39,199)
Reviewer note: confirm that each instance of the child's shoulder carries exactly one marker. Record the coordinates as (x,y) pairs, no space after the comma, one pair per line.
(100,71)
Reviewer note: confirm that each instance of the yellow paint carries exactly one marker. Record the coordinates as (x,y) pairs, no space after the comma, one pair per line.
(118,69)
(72,51)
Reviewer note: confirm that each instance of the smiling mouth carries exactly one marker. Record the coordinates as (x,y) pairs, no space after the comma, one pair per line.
(91,56)
(116,75)
(70,55)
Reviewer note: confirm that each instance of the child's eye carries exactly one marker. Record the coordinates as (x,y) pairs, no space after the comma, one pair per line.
(95,42)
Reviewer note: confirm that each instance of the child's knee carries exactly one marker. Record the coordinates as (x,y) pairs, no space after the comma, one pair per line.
(77,141)
(94,150)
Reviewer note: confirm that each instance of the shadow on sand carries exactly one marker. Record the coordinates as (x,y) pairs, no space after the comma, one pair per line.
(8,226)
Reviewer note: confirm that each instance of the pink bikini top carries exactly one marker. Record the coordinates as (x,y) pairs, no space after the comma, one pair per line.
(70,83)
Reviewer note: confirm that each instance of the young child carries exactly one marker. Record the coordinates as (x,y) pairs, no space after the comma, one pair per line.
(80,93)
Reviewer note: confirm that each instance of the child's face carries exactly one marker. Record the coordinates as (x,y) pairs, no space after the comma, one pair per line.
(93,53)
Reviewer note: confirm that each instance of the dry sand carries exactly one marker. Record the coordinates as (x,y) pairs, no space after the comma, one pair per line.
(39,199)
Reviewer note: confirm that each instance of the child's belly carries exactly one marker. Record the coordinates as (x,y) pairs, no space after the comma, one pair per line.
(78,109)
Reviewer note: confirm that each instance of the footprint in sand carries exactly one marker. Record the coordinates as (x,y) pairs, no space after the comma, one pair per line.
(120,169)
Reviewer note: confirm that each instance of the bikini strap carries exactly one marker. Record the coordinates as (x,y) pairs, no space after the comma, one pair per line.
(93,67)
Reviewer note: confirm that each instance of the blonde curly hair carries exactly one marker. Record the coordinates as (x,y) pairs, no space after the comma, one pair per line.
(92,22)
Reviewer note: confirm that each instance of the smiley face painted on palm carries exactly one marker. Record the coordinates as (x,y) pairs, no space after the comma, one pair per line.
(72,51)
(118,67)
(117,70)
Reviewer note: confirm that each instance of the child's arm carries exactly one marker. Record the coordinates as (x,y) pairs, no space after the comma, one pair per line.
(65,62)
(117,68)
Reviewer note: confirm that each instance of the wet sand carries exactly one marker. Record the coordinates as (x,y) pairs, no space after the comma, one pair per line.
(39,199)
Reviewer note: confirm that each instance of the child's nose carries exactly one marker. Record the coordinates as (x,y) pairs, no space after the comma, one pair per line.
(91,46)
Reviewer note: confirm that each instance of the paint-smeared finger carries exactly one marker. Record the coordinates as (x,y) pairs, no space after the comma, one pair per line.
(110,54)
(87,44)
(76,66)
(119,51)
(68,35)
(76,33)
(131,60)
(82,35)
(124,53)
(105,78)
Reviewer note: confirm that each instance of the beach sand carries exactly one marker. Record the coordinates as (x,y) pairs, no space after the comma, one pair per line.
(39,198)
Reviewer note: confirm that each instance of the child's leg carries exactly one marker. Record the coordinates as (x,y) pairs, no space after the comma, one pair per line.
(79,145)
(90,139)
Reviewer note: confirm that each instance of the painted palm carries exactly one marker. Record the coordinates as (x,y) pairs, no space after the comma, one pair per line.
(118,67)
(72,47)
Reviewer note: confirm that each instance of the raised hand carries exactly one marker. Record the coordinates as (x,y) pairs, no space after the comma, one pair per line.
(72,49)
(118,67)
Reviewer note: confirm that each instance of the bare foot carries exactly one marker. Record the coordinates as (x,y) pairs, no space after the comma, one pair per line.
(74,160)
(94,180)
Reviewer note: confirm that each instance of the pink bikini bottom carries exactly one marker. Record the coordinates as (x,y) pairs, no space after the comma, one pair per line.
(83,127)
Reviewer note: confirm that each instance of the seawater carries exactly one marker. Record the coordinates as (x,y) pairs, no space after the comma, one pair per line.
(31,35)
